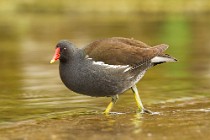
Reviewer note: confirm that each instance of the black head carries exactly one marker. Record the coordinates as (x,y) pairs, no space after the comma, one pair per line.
(64,51)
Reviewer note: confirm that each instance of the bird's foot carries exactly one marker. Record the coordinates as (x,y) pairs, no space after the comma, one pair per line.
(112,113)
(146,111)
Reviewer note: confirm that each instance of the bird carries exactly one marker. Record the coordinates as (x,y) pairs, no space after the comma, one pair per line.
(108,67)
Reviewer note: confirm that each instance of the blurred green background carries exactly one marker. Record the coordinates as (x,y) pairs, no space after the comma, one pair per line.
(30,29)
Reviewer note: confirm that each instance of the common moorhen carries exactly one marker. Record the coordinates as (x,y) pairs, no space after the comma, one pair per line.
(108,67)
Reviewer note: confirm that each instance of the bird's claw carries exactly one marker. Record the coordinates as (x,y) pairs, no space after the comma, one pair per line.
(146,111)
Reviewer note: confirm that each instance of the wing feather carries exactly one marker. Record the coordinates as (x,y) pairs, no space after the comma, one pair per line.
(122,51)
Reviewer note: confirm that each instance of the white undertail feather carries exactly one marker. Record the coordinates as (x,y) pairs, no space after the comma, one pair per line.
(159,59)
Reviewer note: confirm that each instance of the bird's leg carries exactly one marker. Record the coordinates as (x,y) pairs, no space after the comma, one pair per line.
(111,104)
(138,101)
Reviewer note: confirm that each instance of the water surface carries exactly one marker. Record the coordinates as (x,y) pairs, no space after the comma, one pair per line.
(31,88)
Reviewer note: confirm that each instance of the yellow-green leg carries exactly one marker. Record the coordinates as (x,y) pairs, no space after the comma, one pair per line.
(138,101)
(111,104)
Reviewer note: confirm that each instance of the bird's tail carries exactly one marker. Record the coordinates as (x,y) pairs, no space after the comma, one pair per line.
(163,58)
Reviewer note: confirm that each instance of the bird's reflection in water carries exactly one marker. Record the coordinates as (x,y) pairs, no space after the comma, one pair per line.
(137,123)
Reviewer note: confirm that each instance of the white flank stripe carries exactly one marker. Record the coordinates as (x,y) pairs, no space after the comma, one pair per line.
(127,69)
(107,66)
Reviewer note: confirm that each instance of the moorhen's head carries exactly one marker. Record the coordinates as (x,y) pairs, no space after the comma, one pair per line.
(64,50)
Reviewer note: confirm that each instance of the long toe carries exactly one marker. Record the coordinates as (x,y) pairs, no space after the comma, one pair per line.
(147,111)
(150,112)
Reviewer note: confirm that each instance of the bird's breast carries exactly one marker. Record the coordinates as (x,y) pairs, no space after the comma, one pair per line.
(94,79)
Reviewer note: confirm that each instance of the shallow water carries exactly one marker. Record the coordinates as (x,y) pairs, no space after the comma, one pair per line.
(31,88)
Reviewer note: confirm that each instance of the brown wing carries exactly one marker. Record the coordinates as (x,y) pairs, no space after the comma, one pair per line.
(122,51)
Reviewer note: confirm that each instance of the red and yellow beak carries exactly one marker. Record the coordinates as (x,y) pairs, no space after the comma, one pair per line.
(56,55)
